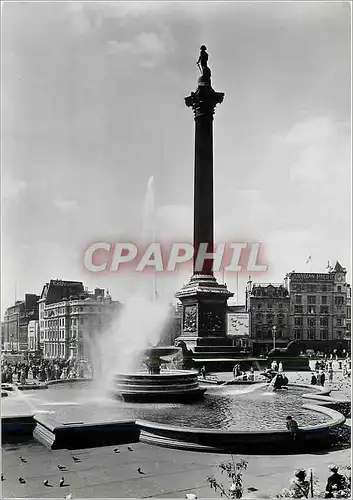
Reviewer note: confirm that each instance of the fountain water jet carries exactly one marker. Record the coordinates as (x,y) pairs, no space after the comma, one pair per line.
(130,341)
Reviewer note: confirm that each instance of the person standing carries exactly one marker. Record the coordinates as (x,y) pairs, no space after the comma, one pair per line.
(330,375)
(300,485)
(274,365)
(280,367)
(335,483)
(313,379)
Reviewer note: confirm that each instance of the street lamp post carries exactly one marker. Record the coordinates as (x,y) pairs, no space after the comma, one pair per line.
(274,336)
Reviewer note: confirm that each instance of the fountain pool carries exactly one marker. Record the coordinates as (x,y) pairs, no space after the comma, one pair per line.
(224,408)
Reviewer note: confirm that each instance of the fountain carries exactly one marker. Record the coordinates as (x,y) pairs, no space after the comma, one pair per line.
(157,385)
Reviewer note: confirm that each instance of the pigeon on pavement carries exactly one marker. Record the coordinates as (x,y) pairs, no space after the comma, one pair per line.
(21,480)
(140,471)
(129,448)
(62,482)
(23,460)
(75,459)
(116,450)
(46,483)
(62,467)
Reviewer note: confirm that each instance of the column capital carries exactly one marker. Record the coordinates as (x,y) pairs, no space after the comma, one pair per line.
(204,100)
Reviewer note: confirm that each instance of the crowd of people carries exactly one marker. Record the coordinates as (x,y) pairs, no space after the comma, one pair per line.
(324,370)
(44,370)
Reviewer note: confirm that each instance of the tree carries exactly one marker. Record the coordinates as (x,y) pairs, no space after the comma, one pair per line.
(234,471)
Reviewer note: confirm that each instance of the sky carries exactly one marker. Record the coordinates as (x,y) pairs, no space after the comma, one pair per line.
(93,106)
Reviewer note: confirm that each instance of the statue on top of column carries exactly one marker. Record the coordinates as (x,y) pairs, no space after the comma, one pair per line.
(202,64)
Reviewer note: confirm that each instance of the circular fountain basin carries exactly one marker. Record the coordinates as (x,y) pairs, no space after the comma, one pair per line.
(168,386)
(160,352)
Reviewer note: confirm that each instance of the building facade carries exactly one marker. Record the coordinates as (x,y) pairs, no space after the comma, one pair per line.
(318,315)
(71,319)
(15,324)
(33,336)
(269,309)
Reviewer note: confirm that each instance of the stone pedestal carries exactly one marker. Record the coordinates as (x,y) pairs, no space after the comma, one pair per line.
(204,314)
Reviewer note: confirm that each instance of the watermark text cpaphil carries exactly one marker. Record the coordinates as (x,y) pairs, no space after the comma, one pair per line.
(230,257)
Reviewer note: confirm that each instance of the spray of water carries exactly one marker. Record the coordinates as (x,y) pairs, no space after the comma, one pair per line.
(139,325)
(121,346)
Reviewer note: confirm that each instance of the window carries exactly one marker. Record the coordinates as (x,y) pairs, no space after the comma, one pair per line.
(339,300)
(270,318)
(339,289)
(324,334)
(311,322)
(298,321)
(323,321)
(311,334)
(339,334)
(259,306)
(324,310)
(324,288)
(311,309)
(324,299)
(339,322)
(311,288)
(298,299)
(298,309)
(269,334)
(298,334)
(311,299)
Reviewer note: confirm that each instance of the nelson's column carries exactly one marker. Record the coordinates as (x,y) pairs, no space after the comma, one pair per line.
(204,301)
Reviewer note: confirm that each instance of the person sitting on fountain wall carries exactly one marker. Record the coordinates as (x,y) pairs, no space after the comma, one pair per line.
(292,426)
(203,371)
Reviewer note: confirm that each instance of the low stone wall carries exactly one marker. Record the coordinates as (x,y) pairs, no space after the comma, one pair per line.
(17,426)
(341,405)
(68,380)
(76,435)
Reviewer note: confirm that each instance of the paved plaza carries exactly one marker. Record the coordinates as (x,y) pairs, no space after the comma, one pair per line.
(168,473)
